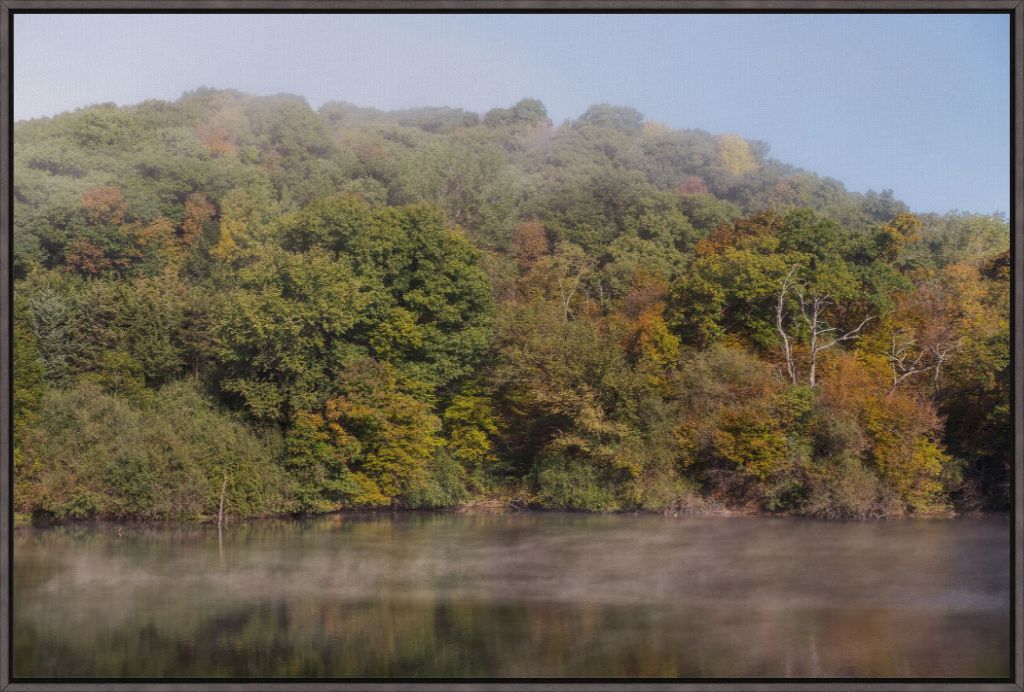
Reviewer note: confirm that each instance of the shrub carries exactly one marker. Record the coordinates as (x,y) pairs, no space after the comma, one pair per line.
(564,482)
(94,454)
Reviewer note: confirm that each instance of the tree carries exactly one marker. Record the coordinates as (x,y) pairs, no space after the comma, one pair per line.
(428,304)
(318,457)
(29,378)
(531,242)
(730,286)
(692,185)
(284,333)
(84,257)
(472,184)
(735,154)
(621,118)
(736,426)
(902,430)
(527,112)
(94,454)
(471,427)
(678,315)
(907,358)
(245,217)
(104,205)
(198,212)
(393,437)
(814,304)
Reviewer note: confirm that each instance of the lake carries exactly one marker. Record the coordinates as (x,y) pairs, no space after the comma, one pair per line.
(515,595)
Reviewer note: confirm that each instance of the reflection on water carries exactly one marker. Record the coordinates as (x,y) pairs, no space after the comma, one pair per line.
(531,595)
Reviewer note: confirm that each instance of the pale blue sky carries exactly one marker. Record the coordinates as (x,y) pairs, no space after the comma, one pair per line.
(916,103)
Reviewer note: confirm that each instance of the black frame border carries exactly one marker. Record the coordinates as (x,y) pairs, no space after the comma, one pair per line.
(1013,8)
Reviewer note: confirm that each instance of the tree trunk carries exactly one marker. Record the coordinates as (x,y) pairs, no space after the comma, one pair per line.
(780,308)
(220,512)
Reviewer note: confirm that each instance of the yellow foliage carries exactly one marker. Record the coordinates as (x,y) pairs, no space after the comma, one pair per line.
(244,216)
(226,249)
(747,438)
(470,422)
(902,428)
(735,154)
(395,434)
(368,493)
(653,127)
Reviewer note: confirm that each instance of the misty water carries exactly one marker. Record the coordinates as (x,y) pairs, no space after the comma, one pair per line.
(521,595)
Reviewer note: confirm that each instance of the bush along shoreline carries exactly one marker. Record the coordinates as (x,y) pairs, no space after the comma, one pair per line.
(238,306)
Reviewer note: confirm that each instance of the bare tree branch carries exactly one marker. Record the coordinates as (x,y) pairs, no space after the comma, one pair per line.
(929,359)
(848,336)
(812,309)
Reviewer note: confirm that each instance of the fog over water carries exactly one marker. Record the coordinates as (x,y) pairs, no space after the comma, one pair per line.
(545,595)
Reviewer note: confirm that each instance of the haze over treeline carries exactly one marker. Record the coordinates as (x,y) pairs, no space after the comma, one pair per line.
(239,299)
(918,103)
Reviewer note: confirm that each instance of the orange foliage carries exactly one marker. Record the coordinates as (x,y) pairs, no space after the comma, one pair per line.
(692,185)
(104,205)
(198,211)
(82,256)
(531,243)
(902,428)
(649,341)
(647,294)
(216,140)
(740,233)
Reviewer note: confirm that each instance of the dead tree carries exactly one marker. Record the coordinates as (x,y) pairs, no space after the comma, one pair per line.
(906,361)
(223,488)
(812,308)
(567,289)
(941,352)
(571,268)
(780,316)
(904,366)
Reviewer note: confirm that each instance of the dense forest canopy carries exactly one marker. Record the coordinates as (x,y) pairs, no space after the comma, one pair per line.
(239,298)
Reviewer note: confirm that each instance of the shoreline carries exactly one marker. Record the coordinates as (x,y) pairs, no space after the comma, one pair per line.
(27,521)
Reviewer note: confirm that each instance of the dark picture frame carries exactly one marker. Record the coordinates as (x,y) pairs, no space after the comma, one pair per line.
(1014,8)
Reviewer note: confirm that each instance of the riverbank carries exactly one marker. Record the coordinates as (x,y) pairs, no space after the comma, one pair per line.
(484,507)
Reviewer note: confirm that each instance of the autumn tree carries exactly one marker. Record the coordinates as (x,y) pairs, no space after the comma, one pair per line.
(692,185)
(375,438)
(104,205)
(815,305)
(531,242)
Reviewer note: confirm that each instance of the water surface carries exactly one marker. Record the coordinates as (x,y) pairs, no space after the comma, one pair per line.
(527,595)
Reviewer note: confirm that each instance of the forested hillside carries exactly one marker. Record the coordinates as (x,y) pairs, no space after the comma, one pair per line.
(308,311)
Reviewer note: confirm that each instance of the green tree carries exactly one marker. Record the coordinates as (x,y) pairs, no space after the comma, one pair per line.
(283,333)
(428,303)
